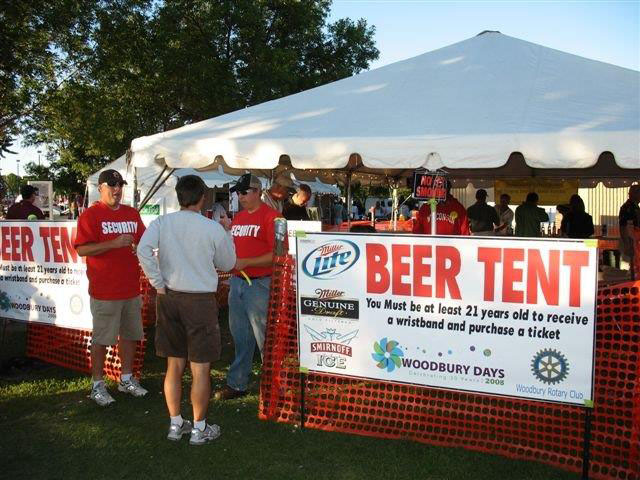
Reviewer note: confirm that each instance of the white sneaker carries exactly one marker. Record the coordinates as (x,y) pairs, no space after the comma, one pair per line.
(176,431)
(100,395)
(133,387)
(200,437)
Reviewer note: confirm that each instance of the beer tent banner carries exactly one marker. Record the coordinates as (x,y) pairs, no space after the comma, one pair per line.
(508,317)
(42,278)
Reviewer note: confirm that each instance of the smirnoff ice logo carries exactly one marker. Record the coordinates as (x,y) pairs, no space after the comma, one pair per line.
(331,341)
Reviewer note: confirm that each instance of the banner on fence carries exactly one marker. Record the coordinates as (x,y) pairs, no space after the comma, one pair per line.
(42,278)
(505,317)
(294,226)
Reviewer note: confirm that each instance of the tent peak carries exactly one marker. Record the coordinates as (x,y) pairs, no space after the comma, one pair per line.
(488,31)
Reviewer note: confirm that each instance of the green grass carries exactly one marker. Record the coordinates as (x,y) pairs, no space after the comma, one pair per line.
(50,430)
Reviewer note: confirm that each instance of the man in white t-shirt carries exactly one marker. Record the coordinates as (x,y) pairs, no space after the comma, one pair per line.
(190,248)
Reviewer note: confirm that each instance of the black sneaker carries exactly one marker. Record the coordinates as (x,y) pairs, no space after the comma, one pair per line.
(228,393)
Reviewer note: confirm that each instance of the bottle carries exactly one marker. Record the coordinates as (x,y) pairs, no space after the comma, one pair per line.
(604,230)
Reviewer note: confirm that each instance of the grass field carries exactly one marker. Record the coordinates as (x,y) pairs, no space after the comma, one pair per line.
(50,430)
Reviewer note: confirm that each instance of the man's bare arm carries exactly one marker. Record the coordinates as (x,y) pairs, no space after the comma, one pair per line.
(91,249)
(261,261)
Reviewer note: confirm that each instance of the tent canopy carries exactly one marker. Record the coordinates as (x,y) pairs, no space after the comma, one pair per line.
(213,178)
(316,185)
(490,102)
(148,175)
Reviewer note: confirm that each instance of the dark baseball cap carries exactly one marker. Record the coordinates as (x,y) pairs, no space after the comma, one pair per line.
(245,182)
(111,176)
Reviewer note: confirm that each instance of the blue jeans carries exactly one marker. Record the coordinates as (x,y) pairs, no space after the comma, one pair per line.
(248,306)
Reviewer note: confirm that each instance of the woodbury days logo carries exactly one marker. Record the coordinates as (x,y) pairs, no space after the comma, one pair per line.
(331,259)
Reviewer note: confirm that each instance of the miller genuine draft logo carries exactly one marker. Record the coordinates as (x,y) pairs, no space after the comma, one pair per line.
(328,306)
(325,293)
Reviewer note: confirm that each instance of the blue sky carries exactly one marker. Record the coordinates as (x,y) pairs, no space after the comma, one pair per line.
(605,31)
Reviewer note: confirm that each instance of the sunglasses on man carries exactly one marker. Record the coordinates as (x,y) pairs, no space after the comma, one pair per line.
(244,192)
(113,183)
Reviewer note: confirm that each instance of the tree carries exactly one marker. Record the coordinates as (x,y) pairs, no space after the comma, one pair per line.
(148,67)
(39,45)
(67,176)
(13,183)
(36,172)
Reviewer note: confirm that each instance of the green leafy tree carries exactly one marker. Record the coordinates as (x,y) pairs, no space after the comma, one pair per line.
(37,172)
(152,66)
(13,183)
(41,45)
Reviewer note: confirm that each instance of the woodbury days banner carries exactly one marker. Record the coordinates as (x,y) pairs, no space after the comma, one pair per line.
(506,317)
(42,278)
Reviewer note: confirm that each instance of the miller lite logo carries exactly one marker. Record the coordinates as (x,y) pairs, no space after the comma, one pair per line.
(331,259)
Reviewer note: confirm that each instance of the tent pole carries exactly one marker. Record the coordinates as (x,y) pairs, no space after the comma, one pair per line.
(85,199)
(145,199)
(155,187)
(135,187)
(394,207)
(349,200)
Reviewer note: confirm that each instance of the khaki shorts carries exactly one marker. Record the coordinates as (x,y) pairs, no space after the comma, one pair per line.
(116,317)
(187,326)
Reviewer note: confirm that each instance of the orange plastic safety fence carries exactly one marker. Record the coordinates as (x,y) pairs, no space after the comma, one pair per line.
(636,252)
(222,295)
(148,296)
(515,428)
(71,348)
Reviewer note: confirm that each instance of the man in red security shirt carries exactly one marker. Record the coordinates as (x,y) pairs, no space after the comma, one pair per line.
(451,217)
(25,209)
(253,232)
(107,235)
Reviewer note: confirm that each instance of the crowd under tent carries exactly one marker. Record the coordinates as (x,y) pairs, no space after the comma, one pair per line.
(160,184)
(489,107)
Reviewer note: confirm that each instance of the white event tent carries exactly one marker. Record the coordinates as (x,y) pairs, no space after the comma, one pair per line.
(165,196)
(316,185)
(144,179)
(492,106)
